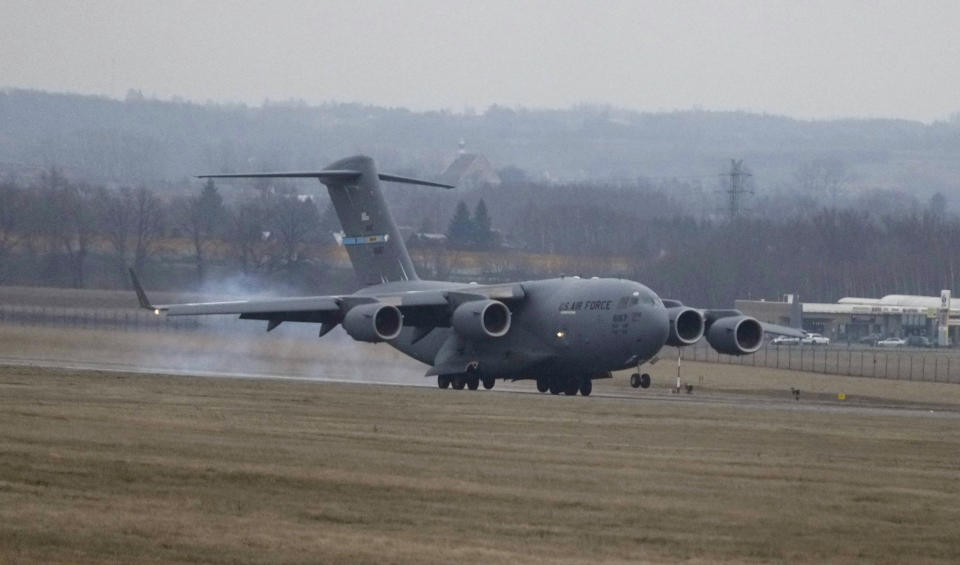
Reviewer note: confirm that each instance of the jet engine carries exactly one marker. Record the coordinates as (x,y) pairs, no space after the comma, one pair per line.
(373,322)
(481,319)
(735,335)
(686,326)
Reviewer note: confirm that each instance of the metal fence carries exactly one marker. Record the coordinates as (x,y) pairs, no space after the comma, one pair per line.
(86,318)
(908,364)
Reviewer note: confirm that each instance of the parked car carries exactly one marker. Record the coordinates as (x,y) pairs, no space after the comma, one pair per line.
(919,341)
(870,339)
(785,340)
(892,342)
(815,339)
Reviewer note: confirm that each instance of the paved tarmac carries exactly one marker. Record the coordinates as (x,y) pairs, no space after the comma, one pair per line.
(602,390)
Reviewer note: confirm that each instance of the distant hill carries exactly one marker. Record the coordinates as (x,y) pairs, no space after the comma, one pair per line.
(141,140)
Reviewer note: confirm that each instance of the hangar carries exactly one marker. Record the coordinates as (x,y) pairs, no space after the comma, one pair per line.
(853,318)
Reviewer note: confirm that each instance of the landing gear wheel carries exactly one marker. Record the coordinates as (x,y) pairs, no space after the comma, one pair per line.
(473,383)
(488,382)
(443,381)
(555,387)
(644,381)
(586,387)
(543,384)
(573,385)
(458,382)
(635,380)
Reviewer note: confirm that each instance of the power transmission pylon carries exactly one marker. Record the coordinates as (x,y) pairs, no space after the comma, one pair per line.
(736,188)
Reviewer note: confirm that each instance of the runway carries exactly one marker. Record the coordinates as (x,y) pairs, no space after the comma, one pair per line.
(602,390)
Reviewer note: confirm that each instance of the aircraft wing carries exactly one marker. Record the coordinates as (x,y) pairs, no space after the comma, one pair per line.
(710,315)
(777,329)
(420,308)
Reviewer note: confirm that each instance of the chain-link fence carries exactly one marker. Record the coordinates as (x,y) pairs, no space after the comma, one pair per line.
(116,319)
(908,364)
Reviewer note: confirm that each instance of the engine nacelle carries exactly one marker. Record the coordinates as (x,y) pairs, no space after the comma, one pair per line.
(481,319)
(686,326)
(373,322)
(735,335)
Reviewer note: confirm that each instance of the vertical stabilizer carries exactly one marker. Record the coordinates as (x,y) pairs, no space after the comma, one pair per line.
(373,242)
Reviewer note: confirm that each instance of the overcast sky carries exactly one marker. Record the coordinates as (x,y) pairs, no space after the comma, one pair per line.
(802,59)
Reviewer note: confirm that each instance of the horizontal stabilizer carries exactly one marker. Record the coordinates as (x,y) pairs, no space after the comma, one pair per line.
(408,180)
(324,176)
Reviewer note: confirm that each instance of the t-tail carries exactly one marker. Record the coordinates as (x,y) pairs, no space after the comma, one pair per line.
(373,242)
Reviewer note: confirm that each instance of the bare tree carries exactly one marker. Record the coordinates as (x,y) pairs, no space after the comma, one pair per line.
(249,235)
(130,216)
(68,221)
(826,177)
(294,221)
(114,212)
(148,226)
(12,206)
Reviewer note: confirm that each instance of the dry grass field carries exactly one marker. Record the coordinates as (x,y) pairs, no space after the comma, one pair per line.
(117,467)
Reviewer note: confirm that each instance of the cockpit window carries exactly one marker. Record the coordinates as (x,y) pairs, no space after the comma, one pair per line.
(634,300)
(622,303)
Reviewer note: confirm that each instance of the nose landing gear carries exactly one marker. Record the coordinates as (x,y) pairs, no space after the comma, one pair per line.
(640,381)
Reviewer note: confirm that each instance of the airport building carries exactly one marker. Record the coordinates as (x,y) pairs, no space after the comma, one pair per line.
(852,319)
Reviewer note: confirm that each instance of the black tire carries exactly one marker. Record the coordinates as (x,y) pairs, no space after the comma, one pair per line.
(473,383)
(488,382)
(571,388)
(586,387)
(459,381)
(635,380)
(555,386)
(645,381)
(543,384)
(443,381)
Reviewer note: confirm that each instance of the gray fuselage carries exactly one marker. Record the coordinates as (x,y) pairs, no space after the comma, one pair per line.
(564,327)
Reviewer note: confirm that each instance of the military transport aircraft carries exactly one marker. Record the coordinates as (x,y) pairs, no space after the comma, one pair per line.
(562,332)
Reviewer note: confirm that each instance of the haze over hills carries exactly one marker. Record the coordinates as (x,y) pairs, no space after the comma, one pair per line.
(141,140)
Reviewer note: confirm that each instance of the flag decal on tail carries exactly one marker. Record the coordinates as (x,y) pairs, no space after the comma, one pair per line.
(366,239)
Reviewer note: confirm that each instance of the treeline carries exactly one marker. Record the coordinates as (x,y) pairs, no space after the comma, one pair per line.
(63,232)
(819,251)
(68,233)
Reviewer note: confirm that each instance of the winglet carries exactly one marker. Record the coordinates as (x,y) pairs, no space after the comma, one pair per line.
(141,295)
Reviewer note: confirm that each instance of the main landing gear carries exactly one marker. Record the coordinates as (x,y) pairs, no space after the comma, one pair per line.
(640,381)
(569,387)
(470,380)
